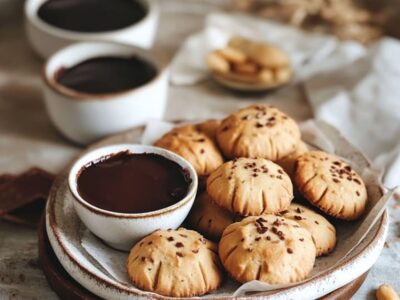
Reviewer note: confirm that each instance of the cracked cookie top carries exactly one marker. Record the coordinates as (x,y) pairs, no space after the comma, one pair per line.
(175,263)
(330,184)
(258,131)
(250,186)
(268,248)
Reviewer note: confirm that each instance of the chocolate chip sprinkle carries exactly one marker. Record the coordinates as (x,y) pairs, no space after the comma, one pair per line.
(357,193)
(301,239)
(195,251)
(289,250)
(178,245)
(170,239)
(180,254)
(298,217)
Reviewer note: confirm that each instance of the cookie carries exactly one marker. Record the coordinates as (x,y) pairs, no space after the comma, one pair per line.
(250,186)
(218,63)
(258,131)
(268,248)
(330,184)
(261,53)
(209,128)
(175,263)
(208,218)
(322,231)
(193,145)
(288,162)
(232,55)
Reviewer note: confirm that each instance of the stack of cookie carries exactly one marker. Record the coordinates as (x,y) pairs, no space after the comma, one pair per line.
(251,62)
(252,161)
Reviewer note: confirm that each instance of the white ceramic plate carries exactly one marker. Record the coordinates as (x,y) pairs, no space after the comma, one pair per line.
(246,86)
(66,232)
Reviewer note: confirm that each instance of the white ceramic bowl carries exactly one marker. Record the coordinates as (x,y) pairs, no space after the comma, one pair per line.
(84,118)
(45,39)
(122,230)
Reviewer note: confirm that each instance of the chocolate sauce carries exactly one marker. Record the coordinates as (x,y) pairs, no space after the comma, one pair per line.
(133,183)
(107,74)
(92,15)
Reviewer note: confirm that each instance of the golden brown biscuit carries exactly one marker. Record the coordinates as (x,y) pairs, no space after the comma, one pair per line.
(232,55)
(283,74)
(209,128)
(258,131)
(175,263)
(193,145)
(250,186)
(331,185)
(218,63)
(269,248)
(208,218)
(288,162)
(322,231)
(266,76)
(261,53)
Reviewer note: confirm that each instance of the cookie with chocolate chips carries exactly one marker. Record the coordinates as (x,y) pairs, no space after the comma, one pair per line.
(322,231)
(193,145)
(175,263)
(268,248)
(250,187)
(330,184)
(208,218)
(258,131)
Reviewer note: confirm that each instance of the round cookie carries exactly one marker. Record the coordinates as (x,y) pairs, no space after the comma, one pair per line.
(250,187)
(331,185)
(209,128)
(175,263)
(288,162)
(196,147)
(268,248)
(208,218)
(258,131)
(322,231)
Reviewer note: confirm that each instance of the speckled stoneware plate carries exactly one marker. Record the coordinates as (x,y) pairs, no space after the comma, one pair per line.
(67,235)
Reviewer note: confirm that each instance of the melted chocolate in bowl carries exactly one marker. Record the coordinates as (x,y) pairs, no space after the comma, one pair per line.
(92,15)
(133,183)
(107,74)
